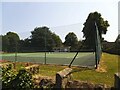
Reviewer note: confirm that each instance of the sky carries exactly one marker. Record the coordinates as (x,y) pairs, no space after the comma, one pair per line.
(61,17)
(118,18)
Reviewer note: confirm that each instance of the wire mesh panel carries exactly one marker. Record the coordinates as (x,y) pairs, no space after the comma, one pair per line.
(59,58)
(44,46)
(98,45)
(85,59)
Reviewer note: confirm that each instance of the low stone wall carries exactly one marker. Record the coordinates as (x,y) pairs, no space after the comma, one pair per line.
(81,85)
(5,65)
(33,69)
(117,81)
(62,77)
(65,81)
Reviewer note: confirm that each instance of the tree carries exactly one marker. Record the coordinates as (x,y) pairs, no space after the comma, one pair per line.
(57,40)
(25,45)
(10,42)
(118,39)
(89,28)
(79,44)
(43,39)
(5,43)
(0,43)
(71,41)
(16,80)
(117,45)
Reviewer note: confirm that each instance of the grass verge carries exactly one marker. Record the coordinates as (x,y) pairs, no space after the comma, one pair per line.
(108,67)
(103,75)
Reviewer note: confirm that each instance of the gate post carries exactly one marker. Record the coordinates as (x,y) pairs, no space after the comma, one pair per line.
(117,81)
(62,77)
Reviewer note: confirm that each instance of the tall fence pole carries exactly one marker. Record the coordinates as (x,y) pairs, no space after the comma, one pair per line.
(98,49)
(96,59)
(15,54)
(45,46)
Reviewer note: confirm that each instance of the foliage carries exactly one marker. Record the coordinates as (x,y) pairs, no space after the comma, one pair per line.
(112,47)
(71,40)
(80,45)
(14,80)
(89,28)
(41,39)
(10,41)
(110,62)
(25,45)
(5,43)
(7,77)
(23,80)
(57,40)
(0,42)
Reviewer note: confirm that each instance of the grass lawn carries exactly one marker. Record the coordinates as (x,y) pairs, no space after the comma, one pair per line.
(105,75)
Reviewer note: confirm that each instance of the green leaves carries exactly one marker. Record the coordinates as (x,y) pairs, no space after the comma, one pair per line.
(43,38)
(10,41)
(17,81)
(89,28)
(71,40)
(23,80)
(8,76)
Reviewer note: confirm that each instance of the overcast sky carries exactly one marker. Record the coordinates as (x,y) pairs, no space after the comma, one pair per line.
(60,17)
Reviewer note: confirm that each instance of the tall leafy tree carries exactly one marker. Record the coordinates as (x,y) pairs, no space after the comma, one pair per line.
(0,43)
(10,42)
(117,44)
(89,28)
(118,39)
(39,38)
(5,43)
(43,39)
(57,40)
(71,40)
(25,45)
(1,36)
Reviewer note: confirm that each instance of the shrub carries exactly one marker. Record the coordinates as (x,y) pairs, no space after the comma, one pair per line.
(21,80)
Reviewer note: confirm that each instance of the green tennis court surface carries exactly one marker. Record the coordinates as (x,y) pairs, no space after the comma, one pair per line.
(62,58)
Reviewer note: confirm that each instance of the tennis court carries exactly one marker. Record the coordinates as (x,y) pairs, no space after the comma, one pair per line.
(59,58)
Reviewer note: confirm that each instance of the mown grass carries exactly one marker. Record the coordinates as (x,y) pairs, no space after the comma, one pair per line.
(50,70)
(108,67)
(109,63)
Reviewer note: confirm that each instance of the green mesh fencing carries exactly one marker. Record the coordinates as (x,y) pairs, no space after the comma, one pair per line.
(98,45)
(60,54)
(58,58)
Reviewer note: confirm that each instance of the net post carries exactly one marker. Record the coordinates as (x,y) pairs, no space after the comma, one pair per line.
(45,56)
(98,50)
(15,54)
(96,66)
(45,46)
(95,48)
